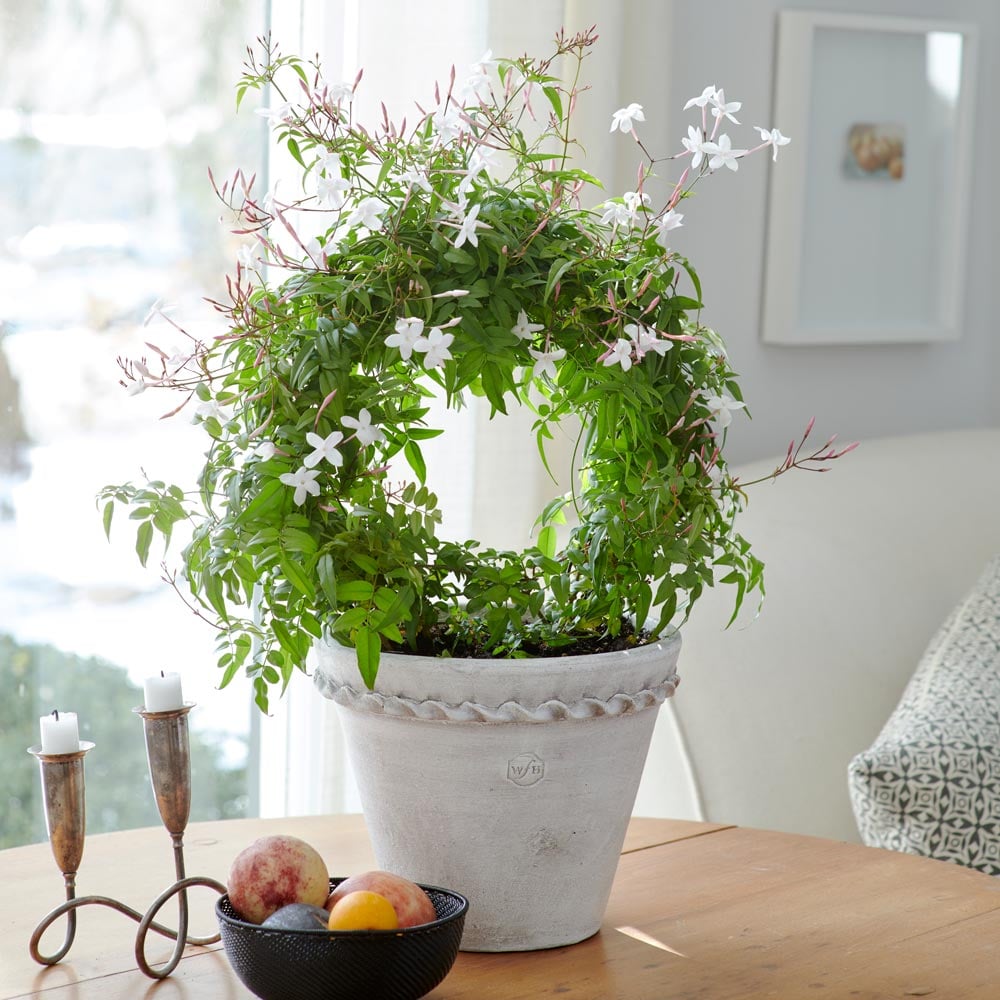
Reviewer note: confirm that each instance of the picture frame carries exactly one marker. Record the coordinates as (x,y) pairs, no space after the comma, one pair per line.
(867,213)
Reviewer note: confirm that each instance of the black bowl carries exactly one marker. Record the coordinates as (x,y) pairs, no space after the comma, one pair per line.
(344,965)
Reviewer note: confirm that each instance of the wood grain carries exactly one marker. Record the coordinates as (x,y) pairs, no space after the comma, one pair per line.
(697,911)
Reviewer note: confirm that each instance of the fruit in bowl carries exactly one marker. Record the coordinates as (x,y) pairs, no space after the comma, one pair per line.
(298,917)
(411,903)
(292,952)
(362,911)
(273,872)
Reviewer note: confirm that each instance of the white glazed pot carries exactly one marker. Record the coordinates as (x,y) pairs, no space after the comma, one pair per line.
(511,781)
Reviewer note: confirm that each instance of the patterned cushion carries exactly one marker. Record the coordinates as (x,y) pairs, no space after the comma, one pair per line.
(930,784)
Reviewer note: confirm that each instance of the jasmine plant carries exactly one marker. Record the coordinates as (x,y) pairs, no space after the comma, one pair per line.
(452,256)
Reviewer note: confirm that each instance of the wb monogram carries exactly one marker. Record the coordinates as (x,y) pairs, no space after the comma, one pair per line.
(525,769)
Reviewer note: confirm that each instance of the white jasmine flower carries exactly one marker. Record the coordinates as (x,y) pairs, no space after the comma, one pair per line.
(720,488)
(316,252)
(695,144)
(331,192)
(461,204)
(620,354)
(524,330)
(365,431)
(324,447)
(304,481)
(408,331)
(485,63)
(454,293)
(416,178)
(209,409)
(664,224)
(177,360)
(474,88)
(646,340)
(634,200)
(468,226)
(434,347)
(722,406)
(624,214)
(483,158)
(265,450)
(336,93)
(707,95)
(465,185)
(624,119)
(617,214)
(269,203)
(252,255)
(448,123)
(722,110)
(368,213)
(723,154)
(279,114)
(159,308)
(545,361)
(330,163)
(774,138)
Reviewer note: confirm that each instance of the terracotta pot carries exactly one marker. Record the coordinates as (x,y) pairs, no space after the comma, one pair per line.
(511,781)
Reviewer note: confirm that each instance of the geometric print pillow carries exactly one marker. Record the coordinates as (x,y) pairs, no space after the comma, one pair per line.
(930,783)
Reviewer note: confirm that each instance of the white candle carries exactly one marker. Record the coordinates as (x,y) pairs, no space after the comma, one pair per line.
(163,692)
(60,732)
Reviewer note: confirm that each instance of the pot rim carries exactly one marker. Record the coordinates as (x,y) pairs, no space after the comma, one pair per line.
(504,690)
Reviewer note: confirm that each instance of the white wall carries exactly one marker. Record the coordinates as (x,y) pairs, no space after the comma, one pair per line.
(855,391)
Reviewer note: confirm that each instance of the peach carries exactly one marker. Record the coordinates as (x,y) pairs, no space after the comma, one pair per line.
(273,872)
(412,905)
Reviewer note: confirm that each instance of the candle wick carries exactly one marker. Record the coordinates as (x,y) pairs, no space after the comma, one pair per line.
(55,712)
(162,674)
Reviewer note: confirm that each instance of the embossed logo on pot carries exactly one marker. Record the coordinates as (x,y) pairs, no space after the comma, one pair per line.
(525,769)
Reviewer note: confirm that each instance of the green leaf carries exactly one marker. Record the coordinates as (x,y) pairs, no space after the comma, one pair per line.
(556,271)
(493,387)
(547,541)
(295,575)
(109,510)
(260,695)
(230,672)
(552,94)
(293,148)
(143,539)
(413,454)
(365,563)
(644,600)
(350,620)
(368,646)
(327,578)
(284,637)
(295,540)
(211,585)
(395,609)
(685,303)
(353,591)
(269,498)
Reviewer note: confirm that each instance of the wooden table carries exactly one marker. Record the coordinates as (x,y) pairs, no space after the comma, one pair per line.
(697,911)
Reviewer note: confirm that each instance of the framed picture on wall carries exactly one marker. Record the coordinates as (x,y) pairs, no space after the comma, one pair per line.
(868,211)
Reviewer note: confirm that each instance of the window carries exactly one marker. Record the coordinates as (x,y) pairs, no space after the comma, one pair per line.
(109,117)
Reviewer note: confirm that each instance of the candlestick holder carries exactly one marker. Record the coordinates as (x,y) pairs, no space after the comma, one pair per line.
(169,756)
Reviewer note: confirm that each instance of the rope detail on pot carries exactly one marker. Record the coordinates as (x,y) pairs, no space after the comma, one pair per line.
(509,711)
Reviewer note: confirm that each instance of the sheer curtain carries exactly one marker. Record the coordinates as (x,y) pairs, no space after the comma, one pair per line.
(486,473)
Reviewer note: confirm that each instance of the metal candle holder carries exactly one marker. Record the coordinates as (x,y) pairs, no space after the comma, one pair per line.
(169,756)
